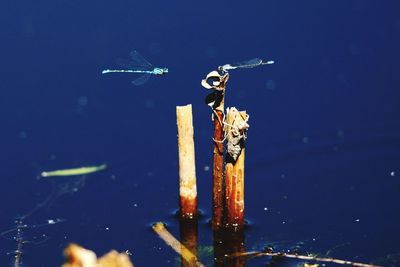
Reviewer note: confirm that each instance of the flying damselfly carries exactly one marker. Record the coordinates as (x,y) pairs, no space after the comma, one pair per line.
(138,64)
(255,62)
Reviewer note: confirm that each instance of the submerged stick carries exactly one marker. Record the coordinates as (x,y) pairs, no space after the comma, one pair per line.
(236,127)
(187,168)
(179,248)
(301,257)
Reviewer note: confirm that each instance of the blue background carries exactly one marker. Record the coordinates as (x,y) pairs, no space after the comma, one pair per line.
(323,145)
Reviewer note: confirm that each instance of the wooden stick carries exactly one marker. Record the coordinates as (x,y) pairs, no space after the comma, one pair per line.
(301,257)
(217,82)
(218,164)
(235,129)
(179,248)
(187,168)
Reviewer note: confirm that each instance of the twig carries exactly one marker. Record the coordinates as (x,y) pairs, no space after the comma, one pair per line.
(179,248)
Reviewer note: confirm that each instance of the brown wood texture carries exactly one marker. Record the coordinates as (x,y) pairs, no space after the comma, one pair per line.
(187,168)
(218,170)
(234,181)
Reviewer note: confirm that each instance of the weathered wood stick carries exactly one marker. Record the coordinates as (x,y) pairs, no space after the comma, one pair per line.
(179,248)
(187,168)
(217,82)
(218,167)
(235,128)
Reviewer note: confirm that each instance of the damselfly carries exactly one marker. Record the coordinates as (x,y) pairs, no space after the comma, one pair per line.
(255,62)
(138,64)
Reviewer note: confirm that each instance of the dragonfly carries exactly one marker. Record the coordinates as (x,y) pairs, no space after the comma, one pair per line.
(138,64)
(252,63)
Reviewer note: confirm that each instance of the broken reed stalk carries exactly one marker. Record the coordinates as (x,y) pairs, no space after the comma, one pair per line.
(216,81)
(179,248)
(218,165)
(187,168)
(301,257)
(236,126)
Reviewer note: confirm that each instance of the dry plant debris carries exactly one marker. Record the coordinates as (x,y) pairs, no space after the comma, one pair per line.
(78,256)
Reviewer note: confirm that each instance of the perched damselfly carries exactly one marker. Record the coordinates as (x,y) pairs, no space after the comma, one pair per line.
(137,64)
(255,62)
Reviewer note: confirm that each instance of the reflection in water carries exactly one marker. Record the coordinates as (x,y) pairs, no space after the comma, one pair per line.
(229,249)
(60,187)
(290,259)
(188,232)
(228,241)
(66,186)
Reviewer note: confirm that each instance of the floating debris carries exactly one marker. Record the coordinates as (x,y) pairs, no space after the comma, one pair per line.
(80,257)
(74,171)
(179,248)
(253,254)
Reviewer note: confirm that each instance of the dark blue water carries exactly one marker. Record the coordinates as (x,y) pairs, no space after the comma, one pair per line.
(322,156)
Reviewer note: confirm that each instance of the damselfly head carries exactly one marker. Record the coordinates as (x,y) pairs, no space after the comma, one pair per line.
(222,70)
